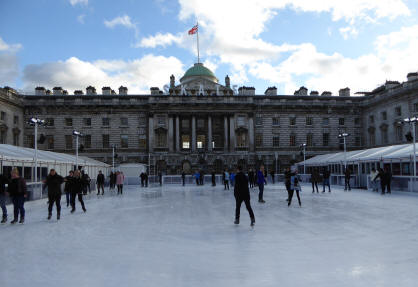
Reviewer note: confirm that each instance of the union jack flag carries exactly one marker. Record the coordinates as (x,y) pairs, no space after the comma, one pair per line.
(193,30)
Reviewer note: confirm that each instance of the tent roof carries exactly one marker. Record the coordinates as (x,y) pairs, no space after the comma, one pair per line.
(10,152)
(394,152)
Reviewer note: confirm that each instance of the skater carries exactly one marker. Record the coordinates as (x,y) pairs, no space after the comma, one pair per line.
(86,182)
(183,177)
(67,187)
(76,188)
(385,177)
(112,181)
(18,192)
(225,177)
(347,176)
(53,182)
(146,179)
(100,182)
(201,177)
(295,186)
(232,178)
(373,183)
(314,180)
(3,181)
(120,178)
(287,178)
(160,178)
(142,176)
(197,177)
(326,175)
(272,176)
(388,178)
(242,193)
(251,177)
(261,181)
(213,179)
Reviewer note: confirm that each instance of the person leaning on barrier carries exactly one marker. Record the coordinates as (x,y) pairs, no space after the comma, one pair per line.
(3,181)
(18,192)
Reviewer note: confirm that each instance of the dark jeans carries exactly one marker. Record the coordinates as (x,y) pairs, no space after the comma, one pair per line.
(291,196)
(347,184)
(18,206)
(226,183)
(3,204)
(385,186)
(288,189)
(120,188)
(326,182)
(314,183)
(80,198)
(54,199)
(238,202)
(183,180)
(197,181)
(261,191)
(251,184)
(67,197)
(100,185)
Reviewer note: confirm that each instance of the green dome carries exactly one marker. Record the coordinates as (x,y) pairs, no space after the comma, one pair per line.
(198,70)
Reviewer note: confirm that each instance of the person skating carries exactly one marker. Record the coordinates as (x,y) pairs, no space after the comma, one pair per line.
(261,181)
(373,175)
(67,187)
(120,178)
(314,180)
(100,180)
(53,182)
(251,177)
(18,192)
(3,181)
(112,181)
(388,178)
(347,176)
(272,176)
(142,177)
(201,177)
(242,193)
(183,177)
(146,179)
(325,176)
(76,188)
(232,178)
(197,177)
(160,178)
(213,179)
(287,181)
(385,178)
(86,182)
(226,179)
(294,187)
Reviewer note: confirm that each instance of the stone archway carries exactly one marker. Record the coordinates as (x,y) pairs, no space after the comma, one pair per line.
(186,166)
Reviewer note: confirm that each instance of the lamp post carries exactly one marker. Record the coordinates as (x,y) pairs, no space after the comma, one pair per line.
(77,134)
(412,121)
(304,156)
(36,122)
(344,135)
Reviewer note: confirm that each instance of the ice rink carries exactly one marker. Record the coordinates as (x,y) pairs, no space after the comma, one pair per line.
(175,236)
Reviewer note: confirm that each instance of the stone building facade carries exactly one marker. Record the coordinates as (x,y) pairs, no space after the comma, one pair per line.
(11,117)
(200,123)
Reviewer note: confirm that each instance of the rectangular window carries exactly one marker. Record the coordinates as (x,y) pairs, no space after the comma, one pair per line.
(325,121)
(371,119)
(3,116)
(30,140)
(358,140)
(241,139)
(50,142)
(68,122)
(105,122)
(258,121)
(69,142)
(309,139)
(141,131)
(49,122)
(87,141)
(416,107)
(124,141)
(185,141)
(185,124)
(16,120)
(2,137)
(399,133)
(142,143)
(200,141)
(276,121)
(276,141)
(341,121)
(292,121)
(161,120)
(309,121)
(357,121)
(16,139)
(106,141)
(259,140)
(87,122)
(325,139)
(292,140)
(398,111)
(142,121)
(372,139)
(385,138)
(200,123)
(241,121)
(124,121)
(384,116)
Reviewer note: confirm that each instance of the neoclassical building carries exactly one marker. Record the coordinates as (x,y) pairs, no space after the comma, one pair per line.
(202,123)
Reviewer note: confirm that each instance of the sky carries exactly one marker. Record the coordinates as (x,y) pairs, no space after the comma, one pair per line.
(324,45)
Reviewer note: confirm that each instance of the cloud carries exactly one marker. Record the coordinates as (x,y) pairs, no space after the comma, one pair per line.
(160,40)
(4,47)
(9,64)
(348,31)
(124,20)
(74,74)
(82,2)
(80,18)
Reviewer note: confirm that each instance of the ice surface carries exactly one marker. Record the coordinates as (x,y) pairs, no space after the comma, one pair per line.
(178,236)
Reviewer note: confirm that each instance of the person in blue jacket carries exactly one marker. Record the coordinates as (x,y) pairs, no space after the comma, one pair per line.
(197,176)
(261,181)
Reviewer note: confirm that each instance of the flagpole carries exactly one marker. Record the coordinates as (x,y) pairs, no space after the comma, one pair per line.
(198,56)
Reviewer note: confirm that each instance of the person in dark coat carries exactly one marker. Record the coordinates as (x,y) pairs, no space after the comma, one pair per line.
(146,180)
(272,176)
(385,179)
(287,176)
(67,187)
(347,176)
(86,182)
(53,182)
(388,178)
(294,187)
(261,181)
(251,177)
(100,180)
(326,175)
(142,176)
(112,181)
(201,178)
(213,179)
(314,180)
(3,181)
(242,193)
(77,190)
(183,177)
(160,178)
(18,192)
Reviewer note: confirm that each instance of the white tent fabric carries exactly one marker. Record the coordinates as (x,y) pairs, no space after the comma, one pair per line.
(389,153)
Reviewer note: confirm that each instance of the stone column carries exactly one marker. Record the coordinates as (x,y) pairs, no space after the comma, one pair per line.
(177,133)
(193,133)
(232,133)
(251,132)
(225,133)
(209,133)
(170,134)
(151,133)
